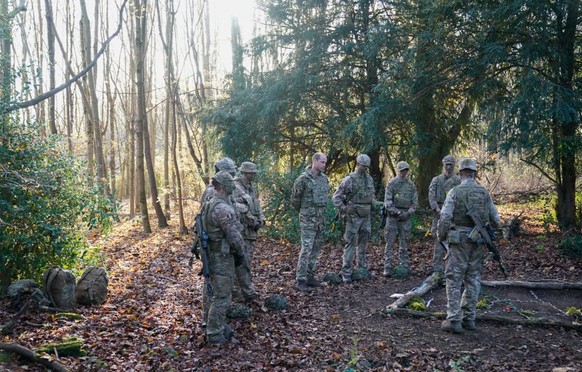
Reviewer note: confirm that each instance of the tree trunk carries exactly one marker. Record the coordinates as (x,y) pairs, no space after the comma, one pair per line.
(532,285)
(566,204)
(51,56)
(162,222)
(431,282)
(140,35)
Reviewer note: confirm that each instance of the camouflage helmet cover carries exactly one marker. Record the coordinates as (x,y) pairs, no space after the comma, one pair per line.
(225,164)
(223,178)
(248,167)
(364,160)
(468,163)
(449,159)
(402,165)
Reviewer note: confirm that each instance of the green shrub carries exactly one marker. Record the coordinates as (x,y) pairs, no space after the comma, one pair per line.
(47,206)
(572,246)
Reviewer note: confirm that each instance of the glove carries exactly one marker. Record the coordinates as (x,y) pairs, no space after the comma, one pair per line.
(403,216)
(239,259)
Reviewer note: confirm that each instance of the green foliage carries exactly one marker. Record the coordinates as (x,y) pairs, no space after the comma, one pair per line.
(282,218)
(572,246)
(47,206)
(457,364)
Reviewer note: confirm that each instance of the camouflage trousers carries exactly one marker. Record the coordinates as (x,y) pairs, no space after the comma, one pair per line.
(463,267)
(311,242)
(356,236)
(243,284)
(221,277)
(400,229)
(438,263)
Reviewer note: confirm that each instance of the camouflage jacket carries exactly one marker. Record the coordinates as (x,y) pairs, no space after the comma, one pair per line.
(439,187)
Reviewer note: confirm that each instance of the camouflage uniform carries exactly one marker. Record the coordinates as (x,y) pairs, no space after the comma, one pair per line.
(400,201)
(437,192)
(355,198)
(464,260)
(220,222)
(251,216)
(309,197)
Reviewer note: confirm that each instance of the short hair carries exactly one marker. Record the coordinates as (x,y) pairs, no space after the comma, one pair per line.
(317,156)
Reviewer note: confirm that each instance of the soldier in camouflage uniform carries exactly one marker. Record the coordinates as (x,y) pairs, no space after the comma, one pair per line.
(252,219)
(464,259)
(223,164)
(309,197)
(437,192)
(243,289)
(400,202)
(355,198)
(225,241)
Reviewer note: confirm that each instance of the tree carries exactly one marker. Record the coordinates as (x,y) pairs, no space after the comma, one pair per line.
(534,53)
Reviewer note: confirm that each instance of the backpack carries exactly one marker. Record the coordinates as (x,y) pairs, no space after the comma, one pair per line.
(60,285)
(92,287)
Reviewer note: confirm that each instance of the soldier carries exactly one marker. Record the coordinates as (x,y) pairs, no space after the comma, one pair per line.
(355,198)
(309,197)
(225,241)
(437,192)
(252,219)
(464,259)
(400,202)
(223,164)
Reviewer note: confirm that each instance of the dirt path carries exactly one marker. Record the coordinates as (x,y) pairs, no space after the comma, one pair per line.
(150,321)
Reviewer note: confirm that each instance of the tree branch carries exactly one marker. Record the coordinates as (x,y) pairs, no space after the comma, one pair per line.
(68,83)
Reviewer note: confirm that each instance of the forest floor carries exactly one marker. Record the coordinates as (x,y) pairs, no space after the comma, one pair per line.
(151,318)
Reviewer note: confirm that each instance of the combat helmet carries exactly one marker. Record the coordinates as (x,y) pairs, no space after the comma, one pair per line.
(225,179)
(248,167)
(468,163)
(449,159)
(226,164)
(402,165)
(364,160)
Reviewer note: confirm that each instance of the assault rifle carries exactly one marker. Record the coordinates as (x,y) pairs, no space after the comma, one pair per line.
(200,251)
(384,214)
(488,237)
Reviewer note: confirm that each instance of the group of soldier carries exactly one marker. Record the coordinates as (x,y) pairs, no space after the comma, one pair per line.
(231,215)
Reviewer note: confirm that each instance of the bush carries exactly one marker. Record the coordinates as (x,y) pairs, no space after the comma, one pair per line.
(47,206)
(572,246)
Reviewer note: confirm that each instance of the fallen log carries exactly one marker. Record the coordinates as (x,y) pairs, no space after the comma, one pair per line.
(487,317)
(546,284)
(31,356)
(429,283)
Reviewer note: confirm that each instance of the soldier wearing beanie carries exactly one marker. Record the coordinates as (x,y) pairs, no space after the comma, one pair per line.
(437,192)
(355,199)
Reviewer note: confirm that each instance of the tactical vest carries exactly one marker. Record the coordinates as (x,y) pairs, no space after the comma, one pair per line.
(443,186)
(315,191)
(214,231)
(254,207)
(470,196)
(403,193)
(363,186)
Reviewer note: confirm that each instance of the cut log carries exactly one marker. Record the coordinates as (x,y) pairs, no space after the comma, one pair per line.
(31,356)
(546,284)
(431,282)
(487,317)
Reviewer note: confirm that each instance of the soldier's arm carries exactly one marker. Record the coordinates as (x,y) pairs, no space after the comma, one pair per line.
(446,217)
(229,224)
(432,194)
(339,196)
(297,192)
(493,213)
(414,205)
(388,196)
